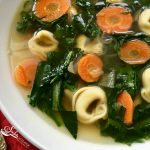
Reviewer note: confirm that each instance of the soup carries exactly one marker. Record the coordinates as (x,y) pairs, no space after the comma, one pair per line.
(86,63)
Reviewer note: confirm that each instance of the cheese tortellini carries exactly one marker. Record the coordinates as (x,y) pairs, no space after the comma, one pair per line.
(144,21)
(90,103)
(145,92)
(95,46)
(42,43)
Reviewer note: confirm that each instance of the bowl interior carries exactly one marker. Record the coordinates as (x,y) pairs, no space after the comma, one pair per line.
(31,123)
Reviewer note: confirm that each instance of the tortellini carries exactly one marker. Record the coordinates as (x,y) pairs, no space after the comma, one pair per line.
(144,21)
(42,43)
(94,46)
(114,1)
(145,92)
(90,103)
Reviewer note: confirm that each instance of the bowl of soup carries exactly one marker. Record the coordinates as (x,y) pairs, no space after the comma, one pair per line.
(75,73)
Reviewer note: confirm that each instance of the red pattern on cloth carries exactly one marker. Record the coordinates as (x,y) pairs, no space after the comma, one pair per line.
(19,143)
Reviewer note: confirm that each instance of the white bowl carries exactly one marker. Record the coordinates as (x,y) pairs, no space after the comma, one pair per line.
(32,124)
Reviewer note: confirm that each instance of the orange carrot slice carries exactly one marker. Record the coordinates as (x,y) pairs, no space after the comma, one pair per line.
(135,52)
(114,19)
(50,10)
(25,72)
(90,68)
(125,100)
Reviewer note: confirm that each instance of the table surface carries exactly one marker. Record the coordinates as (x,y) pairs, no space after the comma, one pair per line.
(14,140)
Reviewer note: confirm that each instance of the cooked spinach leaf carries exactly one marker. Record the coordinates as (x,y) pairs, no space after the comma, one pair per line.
(144,2)
(119,39)
(100,4)
(57,93)
(52,76)
(142,111)
(29,22)
(115,127)
(70,121)
(66,32)
(26,17)
(126,80)
(25,24)
(91,5)
(84,3)
(85,21)
(137,132)
(49,85)
(56,72)
(42,99)
(120,132)
(50,71)
(71,81)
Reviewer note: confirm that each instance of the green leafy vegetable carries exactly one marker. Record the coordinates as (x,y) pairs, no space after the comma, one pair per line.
(144,2)
(100,4)
(70,121)
(126,80)
(57,95)
(48,73)
(119,40)
(25,22)
(64,30)
(85,23)
(71,81)
(84,3)
(142,111)
(52,76)
(49,84)
(128,134)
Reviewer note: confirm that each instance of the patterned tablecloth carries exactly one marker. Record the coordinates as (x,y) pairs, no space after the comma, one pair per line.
(13,139)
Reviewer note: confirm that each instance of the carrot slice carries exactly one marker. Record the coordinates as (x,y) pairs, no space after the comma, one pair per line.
(90,68)
(125,100)
(50,10)
(135,52)
(114,19)
(25,72)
